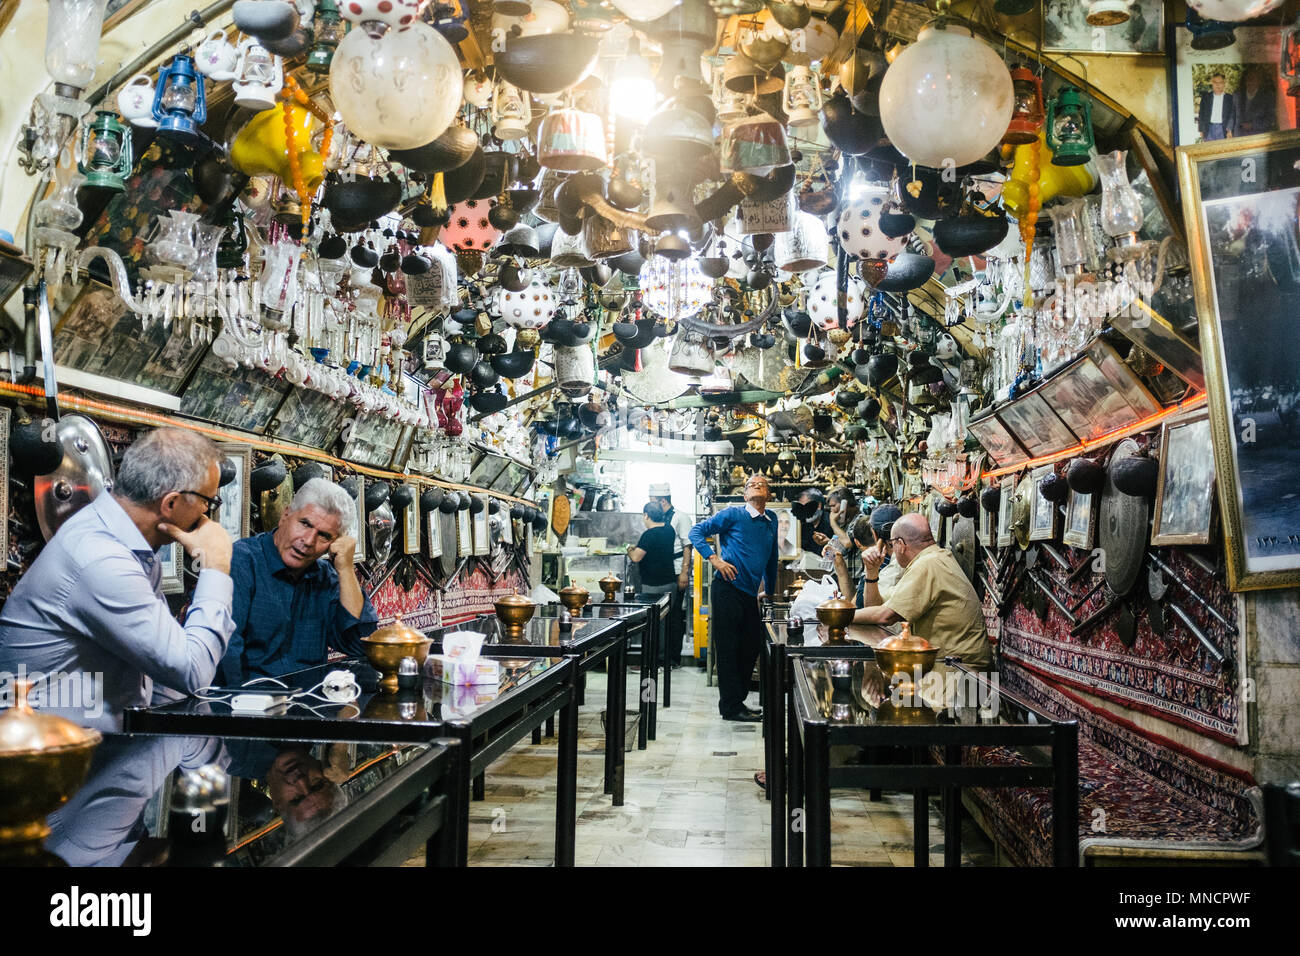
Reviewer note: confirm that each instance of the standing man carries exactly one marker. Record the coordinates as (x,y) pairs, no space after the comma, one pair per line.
(1217,117)
(746,570)
(296,589)
(682,558)
(91,610)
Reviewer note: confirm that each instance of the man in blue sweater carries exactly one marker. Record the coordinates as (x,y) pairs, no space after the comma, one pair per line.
(746,569)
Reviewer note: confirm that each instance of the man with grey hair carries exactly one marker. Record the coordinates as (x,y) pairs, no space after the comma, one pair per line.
(292,603)
(90,610)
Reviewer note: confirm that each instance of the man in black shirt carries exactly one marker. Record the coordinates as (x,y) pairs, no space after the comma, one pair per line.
(653,553)
(814,525)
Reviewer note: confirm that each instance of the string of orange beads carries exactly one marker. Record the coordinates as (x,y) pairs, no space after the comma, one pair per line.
(291,94)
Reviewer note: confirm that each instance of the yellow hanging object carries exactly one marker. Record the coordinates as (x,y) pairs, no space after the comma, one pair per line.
(437,195)
(1052,180)
(262,146)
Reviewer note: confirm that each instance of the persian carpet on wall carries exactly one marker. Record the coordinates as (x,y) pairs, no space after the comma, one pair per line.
(1174,677)
(423,607)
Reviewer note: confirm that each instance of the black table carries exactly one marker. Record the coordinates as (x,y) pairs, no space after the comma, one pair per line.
(590,641)
(836,702)
(487,723)
(261,803)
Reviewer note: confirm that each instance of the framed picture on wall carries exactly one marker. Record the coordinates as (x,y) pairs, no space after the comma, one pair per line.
(988,527)
(1042,513)
(433,533)
(411,524)
(481,538)
(1184,509)
(464,534)
(172,558)
(1080,523)
(1230,92)
(359,530)
(233,513)
(1065,29)
(998,442)
(1246,272)
(1008,491)
(1039,428)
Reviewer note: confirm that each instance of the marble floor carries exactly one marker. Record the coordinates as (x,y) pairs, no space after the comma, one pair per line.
(690,799)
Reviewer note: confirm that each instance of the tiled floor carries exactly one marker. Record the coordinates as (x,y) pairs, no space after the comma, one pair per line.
(690,799)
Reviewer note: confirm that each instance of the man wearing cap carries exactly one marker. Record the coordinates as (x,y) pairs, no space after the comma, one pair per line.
(745,570)
(681,525)
(880,574)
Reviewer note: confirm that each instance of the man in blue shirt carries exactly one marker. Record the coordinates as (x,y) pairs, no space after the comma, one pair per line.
(291,605)
(747,538)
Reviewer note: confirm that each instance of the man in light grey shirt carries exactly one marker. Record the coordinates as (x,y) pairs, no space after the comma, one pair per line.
(88,622)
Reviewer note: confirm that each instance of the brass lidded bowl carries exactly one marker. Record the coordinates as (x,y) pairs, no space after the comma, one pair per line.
(44,758)
(387,646)
(574,597)
(514,611)
(904,653)
(610,586)
(837,615)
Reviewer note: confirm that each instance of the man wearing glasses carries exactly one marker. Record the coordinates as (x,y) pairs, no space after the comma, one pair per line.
(746,569)
(89,614)
(933,595)
(297,594)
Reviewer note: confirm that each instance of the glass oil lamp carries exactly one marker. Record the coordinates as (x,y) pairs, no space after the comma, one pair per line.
(801,99)
(179,104)
(1121,209)
(259,77)
(105,152)
(1069,128)
(327,33)
(1027,114)
(1071,237)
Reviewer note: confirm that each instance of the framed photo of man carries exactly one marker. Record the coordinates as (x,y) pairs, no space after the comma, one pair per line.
(1080,521)
(411,524)
(1185,494)
(233,513)
(1008,491)
(1229,92)
(433,532)
(1066,29)
(1240,200)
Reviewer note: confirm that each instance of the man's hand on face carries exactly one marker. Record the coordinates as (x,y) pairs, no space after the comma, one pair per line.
(820,539)
(872,559)
(208,543)
(343,551)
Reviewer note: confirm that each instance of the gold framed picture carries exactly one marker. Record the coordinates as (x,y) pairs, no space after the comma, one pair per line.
(1184,512)
(411,524)
(1240,199)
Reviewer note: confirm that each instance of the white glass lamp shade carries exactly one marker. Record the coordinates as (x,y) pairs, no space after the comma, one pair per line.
(533,308)
(399,91)
(947,99)
(859,225)
(674,290)
(72,40)
(822,301)
(1233,11)
(470,228)
(643,10)
(803,248)
(632,87)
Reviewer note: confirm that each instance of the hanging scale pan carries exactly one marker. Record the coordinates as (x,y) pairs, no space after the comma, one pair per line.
(85,471)
(1122,529)
(447,531)
(963,545)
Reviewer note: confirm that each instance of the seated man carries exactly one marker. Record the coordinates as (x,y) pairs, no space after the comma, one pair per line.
(880,574)
(814,525)
(291,604)
(934,596)
(88,622)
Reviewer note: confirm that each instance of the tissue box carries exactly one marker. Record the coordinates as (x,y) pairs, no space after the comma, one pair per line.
(463,673)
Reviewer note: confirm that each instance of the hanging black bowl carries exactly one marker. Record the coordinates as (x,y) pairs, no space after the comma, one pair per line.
(32,454)
(377,493)
(463,503)
(491,344)
(799,323)
(512,278)
(364,256)
(895,224)
(1135,475)
(762,340)
(462,182)
(488,402)
(517,512)
(629,263)
(503,217)
(431,499)
(946,508)
(848,398)
(476,504)
(332,246)
(390,261)
(539,523)
(851,132)
(861,356)
(967,506)
(546,62)
(581,332)
(937,198)
(483,375)
(559,332)
(856,432)
(415,264)
(1054,488)
(352,485)
(513,364)
(907,271)
(868,409)
(401,498)
(625,331)
(1085,476)
(494,506)
(267,476)
(881,368)
(712,433)
(813,353)
(969,235)
(990,498)
(353,205)
(426,217)
(304,473)
(460,358)
(450,503)
(449,151)
(228,472)
(523,200)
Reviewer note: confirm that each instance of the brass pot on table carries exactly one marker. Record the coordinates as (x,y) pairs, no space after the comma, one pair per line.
(44,758)
(574,597)
(837,615)
(386,648)
(909,655)
(514,611)
(610,586)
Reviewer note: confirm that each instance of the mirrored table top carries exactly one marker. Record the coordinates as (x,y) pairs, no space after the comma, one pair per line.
(541,631)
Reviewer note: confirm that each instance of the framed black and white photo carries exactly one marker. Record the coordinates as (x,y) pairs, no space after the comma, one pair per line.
(172,558)
(1240,199)
(1185,493)
(1036,426)
(411,524)
(1066,29)
(359,526)
(1004,510)
(1230,92)
(433,533)
(464,534)
(1042,513)
(233,513)
(1080,522)
(482,539)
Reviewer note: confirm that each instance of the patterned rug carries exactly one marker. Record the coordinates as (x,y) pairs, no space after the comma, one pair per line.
(423,608)
(1173,677)
(1131,786)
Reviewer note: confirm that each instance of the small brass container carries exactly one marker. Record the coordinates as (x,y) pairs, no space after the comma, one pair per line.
(387,646)
(837,615)
(574,597)
(514,611)
(610,586)
(904,654)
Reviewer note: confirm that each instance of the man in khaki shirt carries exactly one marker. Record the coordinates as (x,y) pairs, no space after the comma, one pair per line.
(934,596)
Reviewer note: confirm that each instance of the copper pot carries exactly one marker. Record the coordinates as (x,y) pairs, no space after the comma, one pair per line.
(514,611)
(386,647)
(908,655)
(837,615)
(575,598)
(610,586)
